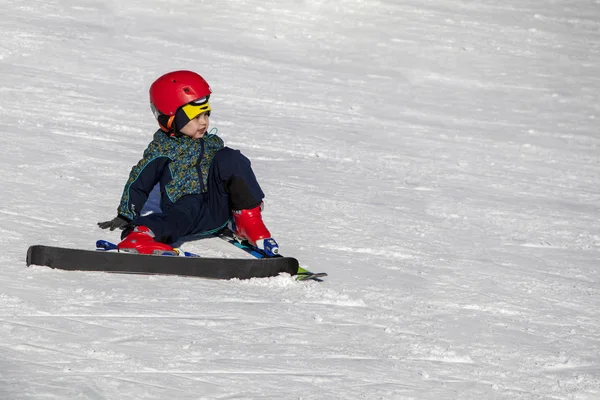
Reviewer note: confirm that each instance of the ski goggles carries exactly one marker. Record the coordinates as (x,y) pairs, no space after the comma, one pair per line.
(196,107)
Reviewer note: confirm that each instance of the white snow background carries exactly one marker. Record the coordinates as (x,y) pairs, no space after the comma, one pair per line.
(440,159)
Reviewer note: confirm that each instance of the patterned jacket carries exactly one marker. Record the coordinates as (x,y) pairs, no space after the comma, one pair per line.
(179,164)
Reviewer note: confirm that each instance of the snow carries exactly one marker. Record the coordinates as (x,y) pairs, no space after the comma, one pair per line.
(439,159)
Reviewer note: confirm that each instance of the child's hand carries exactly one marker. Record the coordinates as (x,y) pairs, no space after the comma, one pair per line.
(117,222)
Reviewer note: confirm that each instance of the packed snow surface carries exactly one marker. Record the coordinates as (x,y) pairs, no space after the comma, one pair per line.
(439,159)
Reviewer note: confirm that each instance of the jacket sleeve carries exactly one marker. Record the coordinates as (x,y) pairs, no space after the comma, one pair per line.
(142,179)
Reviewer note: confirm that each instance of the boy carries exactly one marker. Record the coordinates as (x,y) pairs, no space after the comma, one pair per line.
(202,182)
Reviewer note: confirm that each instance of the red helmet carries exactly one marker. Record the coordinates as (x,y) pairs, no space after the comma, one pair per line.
(173,90)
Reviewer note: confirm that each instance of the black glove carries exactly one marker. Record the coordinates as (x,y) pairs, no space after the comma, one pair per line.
(117,222)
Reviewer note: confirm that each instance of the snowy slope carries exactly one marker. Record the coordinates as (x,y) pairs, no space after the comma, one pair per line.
(439,159)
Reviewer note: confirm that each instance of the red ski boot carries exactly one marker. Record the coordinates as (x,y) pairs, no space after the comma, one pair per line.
(141,240)
(248,225)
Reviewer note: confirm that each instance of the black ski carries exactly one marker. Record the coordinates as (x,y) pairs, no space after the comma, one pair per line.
(109,261)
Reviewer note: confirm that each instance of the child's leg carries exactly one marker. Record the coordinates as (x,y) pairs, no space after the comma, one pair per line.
(232,182)
(232,174)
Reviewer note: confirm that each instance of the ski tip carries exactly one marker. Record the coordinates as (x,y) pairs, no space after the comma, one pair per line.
(310,276)
(29,258)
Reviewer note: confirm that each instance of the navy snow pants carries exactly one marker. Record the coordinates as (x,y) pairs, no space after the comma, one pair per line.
(232,185)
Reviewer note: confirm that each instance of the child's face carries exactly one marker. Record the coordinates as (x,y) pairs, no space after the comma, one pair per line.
(197,127)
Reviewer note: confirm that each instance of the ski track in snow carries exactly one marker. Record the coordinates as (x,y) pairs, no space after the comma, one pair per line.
(438,159)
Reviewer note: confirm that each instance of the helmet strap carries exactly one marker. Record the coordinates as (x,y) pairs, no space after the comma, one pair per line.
(170,122)
(166,125)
